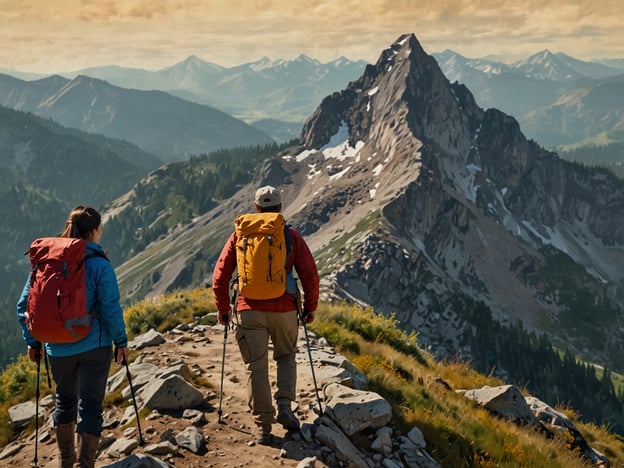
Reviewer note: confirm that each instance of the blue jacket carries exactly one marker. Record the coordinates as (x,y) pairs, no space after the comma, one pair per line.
(102,299)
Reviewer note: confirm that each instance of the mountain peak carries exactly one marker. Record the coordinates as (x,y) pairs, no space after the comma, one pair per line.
(539,58)
(341,61)
(193,60)
(448,54)
(405,42)
(545,65)
(306,59)
(546,53)
(404,76)
(193,63)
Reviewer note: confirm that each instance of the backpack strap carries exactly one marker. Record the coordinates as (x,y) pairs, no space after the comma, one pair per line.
(288,243)
(291,281)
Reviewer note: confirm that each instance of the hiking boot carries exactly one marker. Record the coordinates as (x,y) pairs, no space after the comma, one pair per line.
(65,437)
(263,435)
(285,416)
(88,450)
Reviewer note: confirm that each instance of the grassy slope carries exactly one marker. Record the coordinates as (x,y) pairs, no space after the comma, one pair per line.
(456,431)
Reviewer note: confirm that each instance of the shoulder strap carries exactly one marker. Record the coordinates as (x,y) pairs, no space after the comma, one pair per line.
(288,242)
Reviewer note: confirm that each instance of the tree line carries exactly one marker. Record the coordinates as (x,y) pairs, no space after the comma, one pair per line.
(610,156)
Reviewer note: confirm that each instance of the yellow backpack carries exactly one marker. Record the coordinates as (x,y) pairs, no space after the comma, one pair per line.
(261,253)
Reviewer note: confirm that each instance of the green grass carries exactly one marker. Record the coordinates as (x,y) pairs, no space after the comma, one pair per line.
(457,432)
(166,311)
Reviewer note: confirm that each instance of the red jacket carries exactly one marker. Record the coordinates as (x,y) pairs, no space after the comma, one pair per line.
(300,257)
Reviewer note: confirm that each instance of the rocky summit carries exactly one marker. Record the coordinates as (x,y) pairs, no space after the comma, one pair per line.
(415,200)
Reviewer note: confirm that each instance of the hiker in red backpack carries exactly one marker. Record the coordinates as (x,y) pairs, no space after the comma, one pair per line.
(266,309)
(80,369)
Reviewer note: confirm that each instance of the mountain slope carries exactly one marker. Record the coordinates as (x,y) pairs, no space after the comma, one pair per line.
(545,65)
(451,428)
(74,166)
(557,99)
(588,69)
(579,115)
(157,122)
(412,197)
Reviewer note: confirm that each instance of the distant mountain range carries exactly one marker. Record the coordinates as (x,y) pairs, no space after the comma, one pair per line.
(277,96)
(279,89)
(557,99)
(159,123)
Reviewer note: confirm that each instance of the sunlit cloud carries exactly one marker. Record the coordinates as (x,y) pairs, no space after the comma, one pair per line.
(121,9)
(41,35)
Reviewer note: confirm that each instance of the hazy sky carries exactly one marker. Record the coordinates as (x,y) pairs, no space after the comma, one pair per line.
(64,35)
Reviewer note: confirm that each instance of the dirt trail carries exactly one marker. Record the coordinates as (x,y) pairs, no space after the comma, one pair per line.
(229,443)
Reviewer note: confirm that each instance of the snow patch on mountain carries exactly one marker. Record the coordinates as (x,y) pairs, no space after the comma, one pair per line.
(343,151)
(341,136)
(466,185)
(301,156)
(339,147)
(338,175)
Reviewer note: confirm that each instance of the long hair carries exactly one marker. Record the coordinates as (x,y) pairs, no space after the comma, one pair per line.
(81,221)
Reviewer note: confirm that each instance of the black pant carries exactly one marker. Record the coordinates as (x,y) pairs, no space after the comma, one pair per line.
(80,387)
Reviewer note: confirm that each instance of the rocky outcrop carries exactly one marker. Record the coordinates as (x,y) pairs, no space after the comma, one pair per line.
(507,402)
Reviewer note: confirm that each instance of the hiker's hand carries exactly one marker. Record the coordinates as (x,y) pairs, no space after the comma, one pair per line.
(34,354)
(225,318)
(121,356)
(308,316)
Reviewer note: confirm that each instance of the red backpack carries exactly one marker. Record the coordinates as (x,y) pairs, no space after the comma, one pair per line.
(56,311)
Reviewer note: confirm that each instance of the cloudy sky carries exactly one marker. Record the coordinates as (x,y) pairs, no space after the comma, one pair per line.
(62,35)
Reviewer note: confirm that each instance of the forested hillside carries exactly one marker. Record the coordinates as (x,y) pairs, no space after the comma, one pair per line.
(45,170)
(175,194)
(531,360)
(609,155)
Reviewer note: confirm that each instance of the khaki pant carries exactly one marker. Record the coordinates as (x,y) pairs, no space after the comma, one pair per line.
(253,342)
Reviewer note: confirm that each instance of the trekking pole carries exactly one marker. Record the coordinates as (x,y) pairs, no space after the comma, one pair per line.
(220,412)
(305,331)
(37,395)
(136,409)
(233,298)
